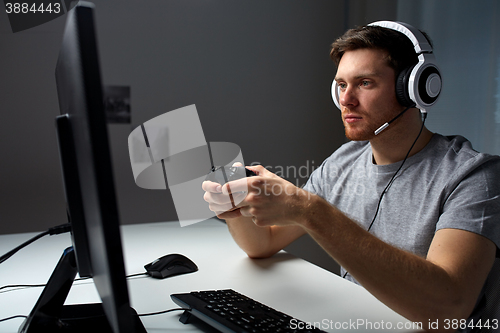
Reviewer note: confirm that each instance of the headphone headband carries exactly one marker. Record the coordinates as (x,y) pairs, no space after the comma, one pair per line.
(420,43)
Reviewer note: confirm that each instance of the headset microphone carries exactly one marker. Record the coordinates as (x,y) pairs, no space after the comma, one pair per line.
(384,126)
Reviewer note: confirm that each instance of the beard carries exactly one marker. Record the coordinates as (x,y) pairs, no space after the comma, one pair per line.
(359,132)
(364,130)
(359,136)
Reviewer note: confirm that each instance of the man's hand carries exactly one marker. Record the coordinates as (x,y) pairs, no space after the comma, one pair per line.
(250,199)
(268,199)
(223,204)
(220,203)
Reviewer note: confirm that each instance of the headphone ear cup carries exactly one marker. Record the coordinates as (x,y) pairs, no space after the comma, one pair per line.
(429,85)
(402,91)
(336,94)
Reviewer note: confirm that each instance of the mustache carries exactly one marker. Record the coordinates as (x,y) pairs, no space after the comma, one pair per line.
(345,112)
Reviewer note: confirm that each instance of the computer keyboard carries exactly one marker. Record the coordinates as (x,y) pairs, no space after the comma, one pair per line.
(232,312)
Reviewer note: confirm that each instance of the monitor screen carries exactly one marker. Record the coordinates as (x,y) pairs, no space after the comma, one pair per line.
(90,192)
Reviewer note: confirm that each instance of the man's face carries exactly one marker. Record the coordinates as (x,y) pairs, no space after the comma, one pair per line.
(367,92)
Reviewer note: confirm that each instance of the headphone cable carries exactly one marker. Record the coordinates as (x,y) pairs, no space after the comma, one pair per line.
(394,177)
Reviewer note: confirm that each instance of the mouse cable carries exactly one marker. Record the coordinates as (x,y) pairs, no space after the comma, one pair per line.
(139,315)
(13,317)
(162,312)
(136,274)
(25,286)
(97,316)
(51,231)
(394,177)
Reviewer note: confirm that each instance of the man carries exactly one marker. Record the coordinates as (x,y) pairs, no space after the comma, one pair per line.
(428,244)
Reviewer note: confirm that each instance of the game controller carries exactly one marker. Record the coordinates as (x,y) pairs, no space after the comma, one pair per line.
(222,175)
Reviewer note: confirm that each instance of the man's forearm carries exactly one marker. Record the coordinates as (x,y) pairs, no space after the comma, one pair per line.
(261,242)
(254,240)
(413,286)
(406,283)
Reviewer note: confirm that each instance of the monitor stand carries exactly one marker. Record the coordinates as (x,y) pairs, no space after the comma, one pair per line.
(51,315)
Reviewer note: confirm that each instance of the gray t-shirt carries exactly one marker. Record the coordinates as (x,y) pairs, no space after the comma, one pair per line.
(445,185)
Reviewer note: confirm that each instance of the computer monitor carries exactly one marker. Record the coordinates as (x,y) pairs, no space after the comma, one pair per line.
(90,195)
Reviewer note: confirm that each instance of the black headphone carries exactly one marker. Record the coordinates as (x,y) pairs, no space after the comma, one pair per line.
(416,86)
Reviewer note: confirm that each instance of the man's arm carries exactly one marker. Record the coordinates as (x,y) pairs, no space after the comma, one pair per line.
(445,285)
(261,242)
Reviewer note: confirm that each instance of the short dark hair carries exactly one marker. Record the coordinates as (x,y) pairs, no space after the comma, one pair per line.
(400,50)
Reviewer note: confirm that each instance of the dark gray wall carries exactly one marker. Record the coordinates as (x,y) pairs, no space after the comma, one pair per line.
(466,36)
(258,72)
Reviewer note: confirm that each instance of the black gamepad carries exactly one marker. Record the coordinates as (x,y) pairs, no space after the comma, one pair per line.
(222,175)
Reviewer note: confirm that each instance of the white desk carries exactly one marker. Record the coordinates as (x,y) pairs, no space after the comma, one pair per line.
(284,282)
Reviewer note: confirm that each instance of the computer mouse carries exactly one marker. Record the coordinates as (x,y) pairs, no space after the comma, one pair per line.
(170,265)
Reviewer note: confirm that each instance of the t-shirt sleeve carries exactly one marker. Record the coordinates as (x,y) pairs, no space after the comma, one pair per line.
(474,203)
(315,181)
